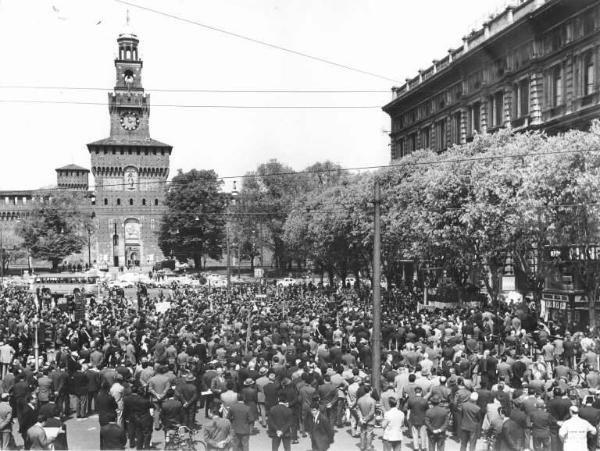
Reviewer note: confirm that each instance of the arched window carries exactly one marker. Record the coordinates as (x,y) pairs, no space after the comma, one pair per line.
(105,201)
(130,201)
(118,201)
(155,201)
(143,201)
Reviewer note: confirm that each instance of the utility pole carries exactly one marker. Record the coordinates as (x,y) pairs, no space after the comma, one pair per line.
(228,259)
(1,259)
(376,338)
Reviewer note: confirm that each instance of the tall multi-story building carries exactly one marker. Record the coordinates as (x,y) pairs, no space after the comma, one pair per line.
(533,66)
(130,171)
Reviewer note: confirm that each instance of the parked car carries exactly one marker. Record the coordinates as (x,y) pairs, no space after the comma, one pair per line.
(286,282)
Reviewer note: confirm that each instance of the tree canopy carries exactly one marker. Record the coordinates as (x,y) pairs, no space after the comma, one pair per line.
(194,225)
(57,228)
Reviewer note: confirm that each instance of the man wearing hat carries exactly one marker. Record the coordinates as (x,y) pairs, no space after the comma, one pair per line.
(187,393)
(250,397)
(436,421)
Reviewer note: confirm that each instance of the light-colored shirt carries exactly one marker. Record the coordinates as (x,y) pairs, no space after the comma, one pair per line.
(393,421)
(574,432)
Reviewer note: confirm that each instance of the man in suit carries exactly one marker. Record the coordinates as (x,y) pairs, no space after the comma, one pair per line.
(306,396)
(112,436)
(365,406)
(6,421)
(541,425)
(187,393)
(136,412)
(281,420)
(171,413)
(417,407)
(241,421)
(105,404)
(36,436)
(328,392)
(436,421)
(320,429)
(45,387)
(470,423)
(271,391)
(29,416)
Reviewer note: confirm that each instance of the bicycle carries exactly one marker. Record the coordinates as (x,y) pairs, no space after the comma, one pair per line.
(183,439)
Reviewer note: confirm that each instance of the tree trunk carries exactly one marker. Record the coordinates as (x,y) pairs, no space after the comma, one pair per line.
(592,307)
(252,264)
(197,262)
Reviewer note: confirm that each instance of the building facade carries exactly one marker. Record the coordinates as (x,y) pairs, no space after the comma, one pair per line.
(130,171)
(533,66)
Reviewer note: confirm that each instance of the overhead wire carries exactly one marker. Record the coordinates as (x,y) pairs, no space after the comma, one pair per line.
(218,91)
(179,105)
(258,41)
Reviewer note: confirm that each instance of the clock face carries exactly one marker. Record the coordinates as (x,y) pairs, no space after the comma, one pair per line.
(130,120)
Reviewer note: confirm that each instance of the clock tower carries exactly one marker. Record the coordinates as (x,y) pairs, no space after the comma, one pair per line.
(130,170)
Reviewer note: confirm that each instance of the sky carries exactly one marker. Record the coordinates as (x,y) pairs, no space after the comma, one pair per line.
(72,44)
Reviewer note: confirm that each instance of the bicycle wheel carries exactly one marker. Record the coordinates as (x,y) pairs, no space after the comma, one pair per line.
(199,446)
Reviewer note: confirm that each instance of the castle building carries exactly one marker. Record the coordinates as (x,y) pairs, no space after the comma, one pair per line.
(533,66)
(130,172)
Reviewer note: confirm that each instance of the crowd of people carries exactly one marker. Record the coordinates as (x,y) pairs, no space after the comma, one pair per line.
(293,363)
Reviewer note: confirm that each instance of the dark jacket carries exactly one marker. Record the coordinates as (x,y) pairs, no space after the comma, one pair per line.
(77,384)
(321,432)
(471,417)
(241,419)
(512,437)
(280,419)
(136,408)
(271,391)
(105,404)
(112,436)
(171,413)
(29,417)
(541,423)
(417,406)
(437,417)
(559,408)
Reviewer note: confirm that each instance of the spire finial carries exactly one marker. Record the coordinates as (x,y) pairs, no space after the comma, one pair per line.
(127,18)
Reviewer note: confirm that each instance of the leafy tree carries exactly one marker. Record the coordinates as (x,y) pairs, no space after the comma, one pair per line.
(271,190)
(11,248)
(57,228)
(334,227)
(573,186)
(194,224)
